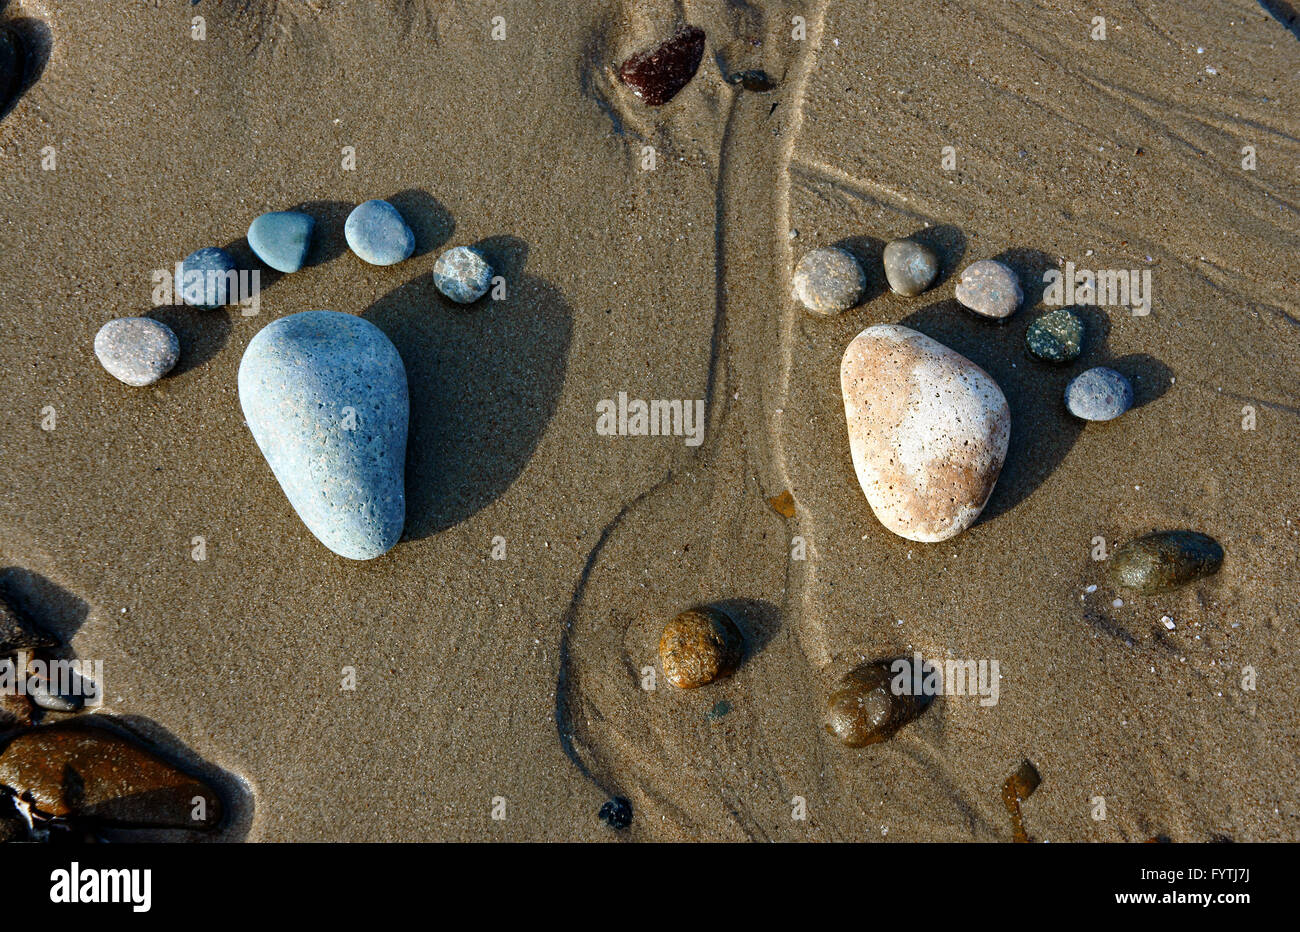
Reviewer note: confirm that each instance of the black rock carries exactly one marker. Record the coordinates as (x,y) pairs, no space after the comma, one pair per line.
(617,813)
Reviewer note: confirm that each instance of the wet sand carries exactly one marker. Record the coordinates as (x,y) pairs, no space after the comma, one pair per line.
(521,678)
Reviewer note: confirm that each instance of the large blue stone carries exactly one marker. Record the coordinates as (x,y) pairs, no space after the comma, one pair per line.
(325,396)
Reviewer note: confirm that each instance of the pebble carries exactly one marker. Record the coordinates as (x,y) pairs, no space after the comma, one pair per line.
(990,289)
(616,813)
(462,274)
(205,278)
(863,709)
(325,397)
(38,688)
(910,267)
(928,431)
(13,60)
(137,350)
(17,633)
(116,780)
(1100,394)
(1165,560)
(657,74)
(282,239)
(376,232)
(1056,336)
(828,280)
(698,646)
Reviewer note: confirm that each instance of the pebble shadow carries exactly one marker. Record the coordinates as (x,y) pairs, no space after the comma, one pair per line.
(948,243)
(484,381)
(758,620)
(868,250)
(431,222)
(37,41)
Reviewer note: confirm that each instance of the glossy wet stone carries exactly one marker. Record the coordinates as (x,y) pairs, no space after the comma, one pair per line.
(657,74)
(928,431)
(863,709)
(1017,788)
(282,239)
(18,632)
(910,267)
(698,646)
(1165,560)
(616,813)
(325,396)
(1100,394)
(137,350)
(1056,336)
(828,280)
(990,289)
(39,688)
(13,60)
(206,279)
(376,232)
(76,771)
(462,274)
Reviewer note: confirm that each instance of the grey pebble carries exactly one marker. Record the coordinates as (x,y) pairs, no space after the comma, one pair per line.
(828,280)
(376,232)
(137,350)
(910,267)
(205,278)
(38,688)
(1100,394)
(462,274)
(990,289)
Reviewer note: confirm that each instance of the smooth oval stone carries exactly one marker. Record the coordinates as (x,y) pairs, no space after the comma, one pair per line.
(462,274)
(657,74)
(990,289)
(1056,336)
(828,280)
(325,396)
(1100,394)
(376,232)
(928,430)
(13,58)
(910,267)
(698,646)
(1165,560)
(74,771)
(281,239)
(38,687)
(864,709)
(206,280)
(137,350)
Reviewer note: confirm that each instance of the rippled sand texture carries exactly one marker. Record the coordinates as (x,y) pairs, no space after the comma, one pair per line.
(520,679)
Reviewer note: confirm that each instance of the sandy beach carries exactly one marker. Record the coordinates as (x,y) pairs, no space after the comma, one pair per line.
(499,650)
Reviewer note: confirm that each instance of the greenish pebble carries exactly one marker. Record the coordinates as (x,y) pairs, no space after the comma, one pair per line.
(1056,336)
(721,708)
(1165,560)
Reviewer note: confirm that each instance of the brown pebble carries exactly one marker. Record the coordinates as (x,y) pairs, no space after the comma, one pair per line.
(657,74)
(1019,787)
(864,709)
(698,646)
(783,504)
(77,771)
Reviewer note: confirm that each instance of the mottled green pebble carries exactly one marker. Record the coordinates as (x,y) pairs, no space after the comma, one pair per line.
(1165,560)
(1056,336)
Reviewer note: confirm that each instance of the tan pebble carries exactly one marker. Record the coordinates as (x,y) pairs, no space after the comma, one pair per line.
(698,646)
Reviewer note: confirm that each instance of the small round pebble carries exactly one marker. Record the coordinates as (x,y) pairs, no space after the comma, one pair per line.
(910,268)
(462,274)
(698,646)
(828,281)
(1056,336)
(617,813)
(137,350)
(1100,394)
(864,709)
(205,278)
(282,239)
(1165,560)
(39,689)
(376,232)
(990,289)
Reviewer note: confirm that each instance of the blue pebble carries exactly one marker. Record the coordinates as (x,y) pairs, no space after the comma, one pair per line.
(1099,394)
(205,278)
(325,396)
(377,233)
(281,239)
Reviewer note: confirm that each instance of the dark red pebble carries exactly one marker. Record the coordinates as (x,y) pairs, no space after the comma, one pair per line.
(656,75)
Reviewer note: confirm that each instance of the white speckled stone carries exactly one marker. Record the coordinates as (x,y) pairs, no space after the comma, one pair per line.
(137,350)
(828,281)
(325,396)
(1099,394)
(928,430)
(462,274)
(376,232)
(990,289)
